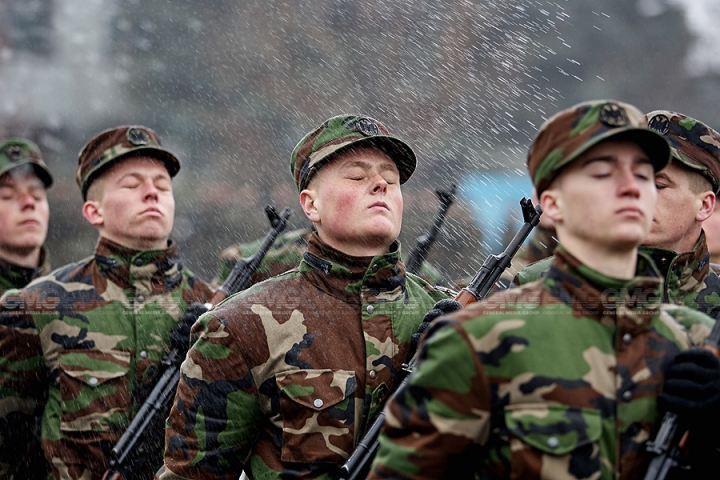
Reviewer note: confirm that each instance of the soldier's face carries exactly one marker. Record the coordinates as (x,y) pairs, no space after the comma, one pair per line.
(355,202)
(24,212)
(679,208)
(605,199)
(136,206)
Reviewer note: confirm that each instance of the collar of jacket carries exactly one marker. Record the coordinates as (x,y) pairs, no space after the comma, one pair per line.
(353,279)
(16,276)
(542,244)
(685,272)
(152,271)
(593,294)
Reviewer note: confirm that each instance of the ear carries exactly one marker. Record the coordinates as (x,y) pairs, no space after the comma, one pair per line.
(92,213)
(707,206)
(308,202)
(551,204)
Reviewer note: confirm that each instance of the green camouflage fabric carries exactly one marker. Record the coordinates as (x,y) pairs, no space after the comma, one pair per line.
(285,376)
(688,277)
(556,379)
(573,131)
(18,151)
(692,143)
(286,254)
(16,276)
(340,133)
(82,348)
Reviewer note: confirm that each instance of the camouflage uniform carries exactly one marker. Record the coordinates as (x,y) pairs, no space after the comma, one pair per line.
(556,379)
(285,254)
(17,276)
(81,347)
(285,376)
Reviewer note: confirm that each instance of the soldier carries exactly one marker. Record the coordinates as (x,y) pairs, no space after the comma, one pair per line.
(24,216)
(93,332)
(687,188)
(24,213)
(285,376)
(559,378)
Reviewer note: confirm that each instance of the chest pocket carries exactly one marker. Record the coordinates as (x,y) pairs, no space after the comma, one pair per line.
(94,392)
(318,415)
(559,441)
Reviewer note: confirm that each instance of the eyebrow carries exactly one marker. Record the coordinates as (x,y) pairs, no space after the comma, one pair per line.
(385,165)
(140,176)
(612,159)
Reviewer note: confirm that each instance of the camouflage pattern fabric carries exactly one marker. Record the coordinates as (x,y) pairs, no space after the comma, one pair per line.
(286,254)
(557,379)
(285,376)
(689,278)
(82,347)
(16,276)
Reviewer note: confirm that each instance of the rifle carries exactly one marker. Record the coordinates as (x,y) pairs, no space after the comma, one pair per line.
(424,242)
(140,441)
(359,464)
(669,443)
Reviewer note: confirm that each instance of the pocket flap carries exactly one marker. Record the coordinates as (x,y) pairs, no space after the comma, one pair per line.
(554,429)
(317,389)
(93,367)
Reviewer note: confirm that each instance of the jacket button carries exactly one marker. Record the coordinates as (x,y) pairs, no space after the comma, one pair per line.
(143,354)
(553,442)
(140,298)
(370,309)
(627,395)
(318,403)
(375,268)
(139,262)
(372,374)
(627,338)
(93,381)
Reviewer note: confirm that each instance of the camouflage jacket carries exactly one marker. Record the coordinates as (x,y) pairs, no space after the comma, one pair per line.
(285,254)
(83,345)
(689,280)
(555,379)
(285,376)
(15,276)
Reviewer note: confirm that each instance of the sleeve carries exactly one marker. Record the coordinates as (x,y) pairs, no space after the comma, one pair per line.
(23,390)
(440,413)
(216,414)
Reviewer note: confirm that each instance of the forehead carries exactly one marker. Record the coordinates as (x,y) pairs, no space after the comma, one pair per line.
(20,174)
(363,154)
(141,164)
(612,148)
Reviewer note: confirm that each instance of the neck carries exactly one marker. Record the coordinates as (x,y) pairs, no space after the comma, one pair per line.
(142,244)
(682,245)
(357,249)
(23,257)
(614,262)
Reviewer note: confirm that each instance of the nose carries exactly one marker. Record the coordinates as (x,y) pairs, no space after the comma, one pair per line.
(27,201)
(150,191)
(379,184)
(628,184)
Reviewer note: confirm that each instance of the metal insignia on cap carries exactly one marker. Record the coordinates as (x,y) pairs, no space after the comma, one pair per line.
(14,152)
(613,115)
(366,126)
(138,137)
(660,123)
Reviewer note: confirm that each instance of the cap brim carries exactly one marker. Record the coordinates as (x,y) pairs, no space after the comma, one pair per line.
(656,147)
(42,173)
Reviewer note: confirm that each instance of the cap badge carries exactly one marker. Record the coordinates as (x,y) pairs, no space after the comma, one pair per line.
(660,123)
(138,137)
(14,153)
(613,115)
(366,126)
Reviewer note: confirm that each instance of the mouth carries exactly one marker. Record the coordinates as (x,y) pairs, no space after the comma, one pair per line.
(380,205)
(631,211)
(29,223)
(152,211)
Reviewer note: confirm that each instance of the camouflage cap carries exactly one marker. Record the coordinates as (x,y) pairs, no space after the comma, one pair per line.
(693,143)
(339,133)
(118,143)
(571,132)
(18,151)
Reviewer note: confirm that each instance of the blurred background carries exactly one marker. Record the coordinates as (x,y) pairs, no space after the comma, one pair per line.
(232,86)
